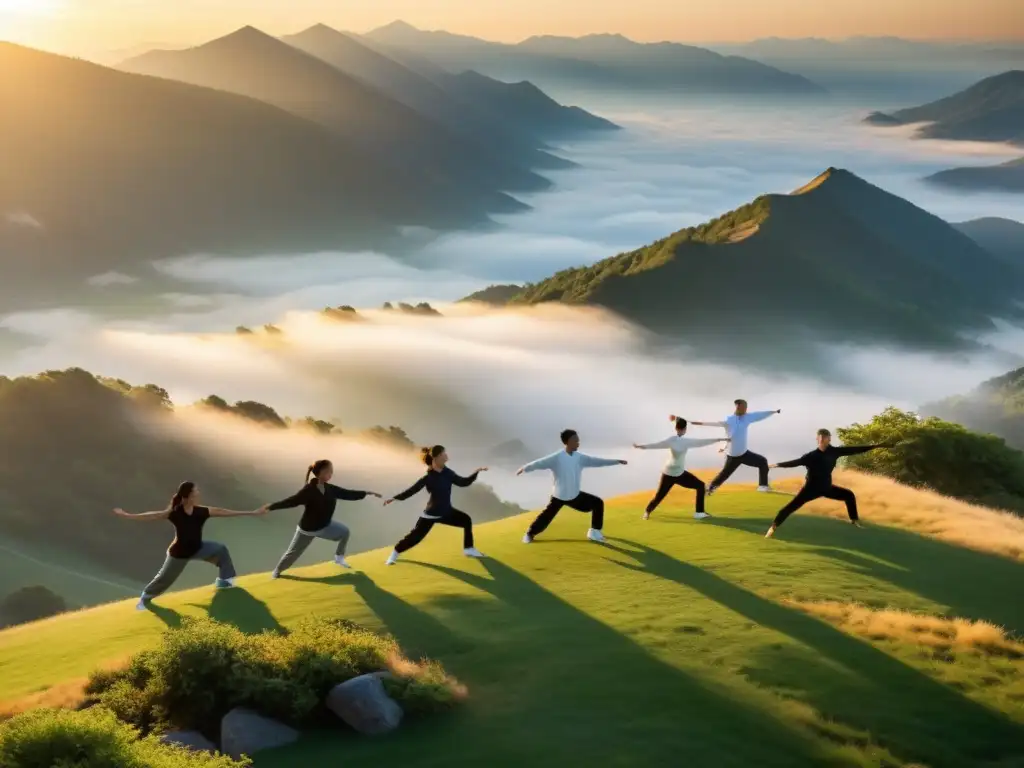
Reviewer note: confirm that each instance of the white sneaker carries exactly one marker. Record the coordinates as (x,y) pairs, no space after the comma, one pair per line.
(771,532)
(595,535)
(224,583)
(701,515)
(143,604)
(764,489)
(527,538)
(472,552)
(275,575)
(647,515)
(392,559)
(340,560)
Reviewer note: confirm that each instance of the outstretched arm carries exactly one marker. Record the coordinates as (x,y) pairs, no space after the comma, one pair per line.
(653,446)
(801,462)
(593,461)
(292,501)
(465,482)
(761,415)
(344,494)
(709,423)
(218,512)
(409,492)
(545,463)
(853,450)
(161,514)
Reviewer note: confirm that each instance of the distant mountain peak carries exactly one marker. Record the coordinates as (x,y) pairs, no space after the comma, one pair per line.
(832,175)
(399,26)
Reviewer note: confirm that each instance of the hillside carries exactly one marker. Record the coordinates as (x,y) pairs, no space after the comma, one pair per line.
(838,260)
(169,187)
(596,61)
(829,646)
(990,110)
(117,446)
(407,147)
(1005,177)
(995,406)
(1003,237)
(435,94)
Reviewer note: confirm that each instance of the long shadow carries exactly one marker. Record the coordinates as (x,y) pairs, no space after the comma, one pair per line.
(972,584)
(419,633)
(168,616)
(238,607)
(908,712)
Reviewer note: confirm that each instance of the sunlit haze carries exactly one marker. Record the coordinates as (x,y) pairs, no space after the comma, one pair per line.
(80,25)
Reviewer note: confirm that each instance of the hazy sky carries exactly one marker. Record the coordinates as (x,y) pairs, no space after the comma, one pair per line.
(111,24)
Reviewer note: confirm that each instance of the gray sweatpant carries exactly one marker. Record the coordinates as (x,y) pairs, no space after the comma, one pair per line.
(334,531)
(211,552)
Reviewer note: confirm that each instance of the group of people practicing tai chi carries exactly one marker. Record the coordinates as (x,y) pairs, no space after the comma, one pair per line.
(318,497)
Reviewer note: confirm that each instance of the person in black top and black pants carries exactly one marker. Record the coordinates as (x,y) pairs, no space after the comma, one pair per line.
(819,463)
(318,499)
(438,481)
(188,519)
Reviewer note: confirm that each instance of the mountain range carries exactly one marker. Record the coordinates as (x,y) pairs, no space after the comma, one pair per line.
(839,260)
(604,61)
(1004,177)
(995,406)
(250,145)
(990,110)
(1003,237)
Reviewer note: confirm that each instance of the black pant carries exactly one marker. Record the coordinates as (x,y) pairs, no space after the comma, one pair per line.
(748,459)
(585,502)
(810,493)
(685,480)
(419,532)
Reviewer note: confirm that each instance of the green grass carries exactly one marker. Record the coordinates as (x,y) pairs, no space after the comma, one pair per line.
(675,644)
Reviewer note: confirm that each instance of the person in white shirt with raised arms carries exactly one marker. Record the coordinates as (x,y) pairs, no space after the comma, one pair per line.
(737,455)
(675,472)
(567,467)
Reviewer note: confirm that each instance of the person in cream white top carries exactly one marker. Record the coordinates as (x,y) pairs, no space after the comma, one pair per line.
(567,467)
(737,455)
(675,472)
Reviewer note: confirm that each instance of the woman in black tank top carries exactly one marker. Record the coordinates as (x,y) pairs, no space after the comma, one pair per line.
(188,519)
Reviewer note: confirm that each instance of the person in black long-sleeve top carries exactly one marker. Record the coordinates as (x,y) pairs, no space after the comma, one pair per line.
(438,481)
(820,463)
(318,499)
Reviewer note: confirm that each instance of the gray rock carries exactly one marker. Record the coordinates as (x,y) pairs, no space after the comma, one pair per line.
(243,732)
(190,739)
(363,704)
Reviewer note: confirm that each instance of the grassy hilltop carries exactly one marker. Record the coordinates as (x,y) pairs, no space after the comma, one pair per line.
(677,643)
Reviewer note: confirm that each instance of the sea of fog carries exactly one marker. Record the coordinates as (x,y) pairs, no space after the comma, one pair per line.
(474,379)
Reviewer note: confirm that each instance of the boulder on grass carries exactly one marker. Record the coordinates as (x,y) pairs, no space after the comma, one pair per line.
(244,732)
(189,739)
(363,704)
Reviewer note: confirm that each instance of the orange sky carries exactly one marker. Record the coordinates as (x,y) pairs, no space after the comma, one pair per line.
(79,25)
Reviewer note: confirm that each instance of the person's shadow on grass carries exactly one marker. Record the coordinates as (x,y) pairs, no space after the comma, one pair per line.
(238,607)
(912,714)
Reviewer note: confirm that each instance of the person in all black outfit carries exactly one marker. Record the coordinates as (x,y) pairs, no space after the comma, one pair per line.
(438,481)
(820,463)
(188,519)
(318,499)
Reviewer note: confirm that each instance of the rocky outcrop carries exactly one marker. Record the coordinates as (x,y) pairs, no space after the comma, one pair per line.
(244,732)
(364,704)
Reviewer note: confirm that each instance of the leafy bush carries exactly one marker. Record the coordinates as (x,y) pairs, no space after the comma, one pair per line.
(203,669)
(942,456)
(93,738)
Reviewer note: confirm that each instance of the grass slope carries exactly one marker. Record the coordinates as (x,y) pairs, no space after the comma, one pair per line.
(677,643)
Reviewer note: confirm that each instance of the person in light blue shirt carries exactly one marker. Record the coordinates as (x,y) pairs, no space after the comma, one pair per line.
(737,454)
(567,466)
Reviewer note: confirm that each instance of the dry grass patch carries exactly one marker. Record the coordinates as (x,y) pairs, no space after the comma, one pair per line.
(941,634)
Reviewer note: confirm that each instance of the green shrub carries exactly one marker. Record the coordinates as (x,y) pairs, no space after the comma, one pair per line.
(941,456)
(203,669)
(92,738)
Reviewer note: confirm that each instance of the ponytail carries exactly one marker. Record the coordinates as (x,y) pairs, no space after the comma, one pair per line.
(316,468)
(429,454)
(183,492)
